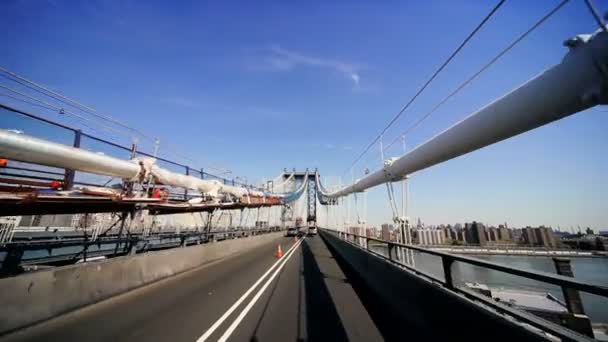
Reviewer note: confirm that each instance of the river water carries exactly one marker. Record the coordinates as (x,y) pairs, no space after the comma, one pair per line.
(588,269)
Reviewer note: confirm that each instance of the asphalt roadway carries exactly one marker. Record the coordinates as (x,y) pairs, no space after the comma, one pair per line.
(254,296)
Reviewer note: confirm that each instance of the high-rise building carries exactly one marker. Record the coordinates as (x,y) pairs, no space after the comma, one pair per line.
(492,234)
(529,236)
(434,239)
(540,237)
(504,233)
(448,233)
(517,235)
(476,233)
(548,238)
(372,232)
(461,236)
(429,236)
(422,237)
(386,233)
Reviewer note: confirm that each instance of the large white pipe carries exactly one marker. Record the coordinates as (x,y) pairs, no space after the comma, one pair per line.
(577,83)
(33,150)
(166,177)
(38,151)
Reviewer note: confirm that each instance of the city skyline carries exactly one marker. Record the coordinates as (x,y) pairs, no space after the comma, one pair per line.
(456,225)
(476,234)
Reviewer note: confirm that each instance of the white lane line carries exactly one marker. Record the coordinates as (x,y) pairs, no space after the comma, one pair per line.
(257,296)
(221,320)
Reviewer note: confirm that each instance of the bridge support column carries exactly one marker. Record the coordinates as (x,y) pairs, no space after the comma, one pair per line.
(573,300)
(572,297)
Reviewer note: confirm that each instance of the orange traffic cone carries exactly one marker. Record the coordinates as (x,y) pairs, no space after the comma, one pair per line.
(279,251)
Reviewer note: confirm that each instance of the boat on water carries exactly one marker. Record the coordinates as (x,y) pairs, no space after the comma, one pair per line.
(545,305)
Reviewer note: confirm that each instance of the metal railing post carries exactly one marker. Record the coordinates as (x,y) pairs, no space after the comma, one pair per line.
(390,251)
(447,271)
(68,177)
(133,150)
(186,189)
(127,186)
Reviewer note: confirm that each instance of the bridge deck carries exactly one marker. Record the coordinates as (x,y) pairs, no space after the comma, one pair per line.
(310,299)
(33,203)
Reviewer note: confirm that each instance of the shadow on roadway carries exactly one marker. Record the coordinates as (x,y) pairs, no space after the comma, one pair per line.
(322,320)
(388,323)
(318,310)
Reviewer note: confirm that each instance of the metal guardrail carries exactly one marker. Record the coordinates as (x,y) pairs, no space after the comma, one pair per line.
(57,248)
(447,261)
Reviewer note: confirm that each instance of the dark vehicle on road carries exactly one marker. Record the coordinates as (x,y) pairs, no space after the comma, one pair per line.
(292,232)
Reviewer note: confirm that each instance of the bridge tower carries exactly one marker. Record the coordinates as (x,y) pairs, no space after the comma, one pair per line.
(312,202)
(311,194)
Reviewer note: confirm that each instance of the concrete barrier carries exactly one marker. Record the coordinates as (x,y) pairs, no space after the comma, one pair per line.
(37,296)
(422,309)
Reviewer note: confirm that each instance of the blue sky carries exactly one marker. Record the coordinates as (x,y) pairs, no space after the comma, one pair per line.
(259,86)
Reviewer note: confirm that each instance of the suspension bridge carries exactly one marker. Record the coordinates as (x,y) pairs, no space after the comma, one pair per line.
(169,251)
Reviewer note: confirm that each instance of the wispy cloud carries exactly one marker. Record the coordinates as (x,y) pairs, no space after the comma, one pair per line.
(267,113)
(330,146)
(281,59)
(181,102)
(206,104)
